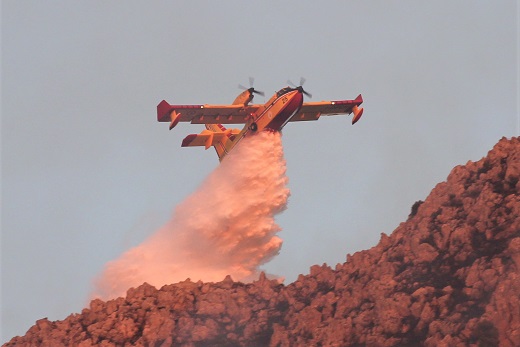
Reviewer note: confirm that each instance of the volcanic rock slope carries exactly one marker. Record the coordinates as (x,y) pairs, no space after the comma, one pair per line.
(448,276)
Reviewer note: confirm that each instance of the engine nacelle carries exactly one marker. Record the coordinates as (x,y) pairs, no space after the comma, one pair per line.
(358,112)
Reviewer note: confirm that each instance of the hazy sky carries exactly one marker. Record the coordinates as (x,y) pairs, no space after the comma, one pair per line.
(87,172)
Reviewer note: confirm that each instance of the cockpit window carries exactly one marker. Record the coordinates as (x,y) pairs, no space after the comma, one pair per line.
(283,91)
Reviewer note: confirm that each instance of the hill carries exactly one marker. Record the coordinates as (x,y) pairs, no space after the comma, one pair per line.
(447,276)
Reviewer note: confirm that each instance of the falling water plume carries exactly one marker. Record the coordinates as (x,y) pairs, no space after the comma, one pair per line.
(226,227)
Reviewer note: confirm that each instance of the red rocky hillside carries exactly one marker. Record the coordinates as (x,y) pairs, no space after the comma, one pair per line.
(448,276)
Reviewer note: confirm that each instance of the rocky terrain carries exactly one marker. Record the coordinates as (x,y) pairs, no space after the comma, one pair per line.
(448,276)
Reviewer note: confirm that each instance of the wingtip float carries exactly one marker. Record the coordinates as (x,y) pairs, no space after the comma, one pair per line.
(283,107)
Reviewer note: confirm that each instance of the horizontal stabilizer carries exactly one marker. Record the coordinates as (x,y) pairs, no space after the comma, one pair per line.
(208,138)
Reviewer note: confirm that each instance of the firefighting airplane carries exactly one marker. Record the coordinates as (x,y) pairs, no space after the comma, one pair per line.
(284,106)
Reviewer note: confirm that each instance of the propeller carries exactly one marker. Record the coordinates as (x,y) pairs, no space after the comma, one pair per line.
(300,87)
(251,89)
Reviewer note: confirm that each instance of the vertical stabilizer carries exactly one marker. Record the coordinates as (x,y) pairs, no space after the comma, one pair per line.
(220,146)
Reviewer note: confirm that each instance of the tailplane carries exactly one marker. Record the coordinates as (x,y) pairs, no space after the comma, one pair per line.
(215,135)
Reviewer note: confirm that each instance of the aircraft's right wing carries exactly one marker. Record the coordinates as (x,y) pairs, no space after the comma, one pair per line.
(313,110)
(204,114)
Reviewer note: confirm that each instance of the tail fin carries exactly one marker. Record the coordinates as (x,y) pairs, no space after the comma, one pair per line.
(220,146)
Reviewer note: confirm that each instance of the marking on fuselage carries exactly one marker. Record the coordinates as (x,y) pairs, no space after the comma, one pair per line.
(268,110)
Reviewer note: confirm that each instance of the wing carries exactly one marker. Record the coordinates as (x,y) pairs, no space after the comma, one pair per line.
(204,114)
(207,138)
(313,110)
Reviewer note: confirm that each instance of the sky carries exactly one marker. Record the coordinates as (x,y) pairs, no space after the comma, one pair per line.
(87,172)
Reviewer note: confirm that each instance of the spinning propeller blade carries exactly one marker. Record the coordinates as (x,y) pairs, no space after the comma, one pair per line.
(300,88)
(251,88)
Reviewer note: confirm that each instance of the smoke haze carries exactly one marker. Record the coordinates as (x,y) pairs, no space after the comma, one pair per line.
(226,227)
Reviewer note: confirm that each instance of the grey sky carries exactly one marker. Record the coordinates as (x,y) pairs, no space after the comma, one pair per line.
(87,172)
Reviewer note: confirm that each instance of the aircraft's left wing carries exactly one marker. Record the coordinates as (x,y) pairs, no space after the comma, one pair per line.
(313,110)
(204,114)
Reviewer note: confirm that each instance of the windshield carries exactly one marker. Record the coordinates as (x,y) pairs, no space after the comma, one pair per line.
(283,91)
